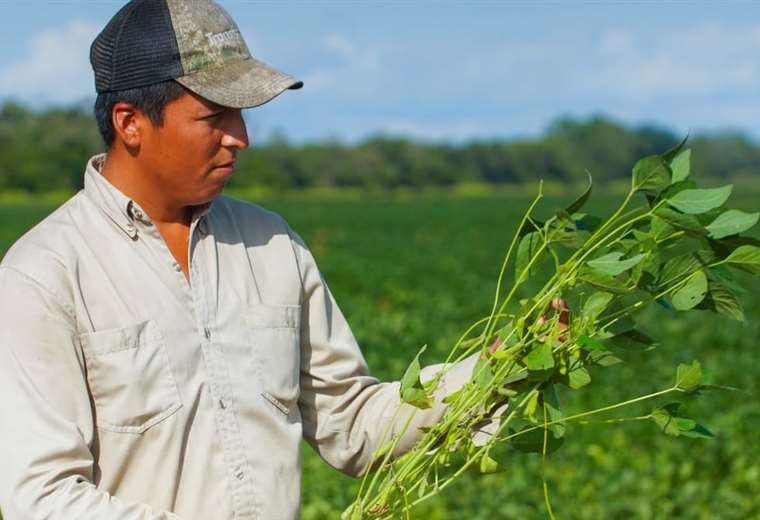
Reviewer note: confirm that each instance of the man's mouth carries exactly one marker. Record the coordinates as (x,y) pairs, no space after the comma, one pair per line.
(228,167)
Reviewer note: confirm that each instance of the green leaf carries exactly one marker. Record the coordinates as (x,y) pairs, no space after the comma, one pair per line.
(632,340)
(540,358)
(651,174)
(746,257)
(586,222)
(528,248)
(671,421)
(651,264)
(722,274)
(602,281)
(517,373)
(412,391)
(620,325)
(660,228)
(726,246)
(722,300)
(563,229)
(590,344)
(694,202)
(452,397)
(675,151)
(603,358)
(691,293)
(675,188)
(578,203)
(482,374)
(488,465)
(596,304)
(698,432)
(612,265)
(531,406)
(682,265)
(681,166)
(578,377)
(687,223)
(732,222)
(688,377)
(555,412)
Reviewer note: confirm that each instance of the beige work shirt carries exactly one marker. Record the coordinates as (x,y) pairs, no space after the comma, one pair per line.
(129,392)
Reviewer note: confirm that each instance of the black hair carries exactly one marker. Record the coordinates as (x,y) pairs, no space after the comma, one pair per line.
(150,100)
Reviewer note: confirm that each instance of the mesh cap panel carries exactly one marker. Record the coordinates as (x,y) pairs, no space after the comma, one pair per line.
(137,48)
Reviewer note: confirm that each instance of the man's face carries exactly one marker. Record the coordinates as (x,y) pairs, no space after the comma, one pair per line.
(185,156)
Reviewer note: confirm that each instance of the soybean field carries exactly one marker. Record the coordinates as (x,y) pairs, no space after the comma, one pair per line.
(410,271)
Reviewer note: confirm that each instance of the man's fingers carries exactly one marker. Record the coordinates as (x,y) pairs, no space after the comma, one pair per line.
(558,304)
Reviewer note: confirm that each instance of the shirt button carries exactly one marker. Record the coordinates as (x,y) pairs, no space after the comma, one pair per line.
(177,267)
(207,333)
(137,214)
(222,404)
(239,474)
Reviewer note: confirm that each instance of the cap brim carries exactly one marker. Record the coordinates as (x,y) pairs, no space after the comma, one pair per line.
(239,84)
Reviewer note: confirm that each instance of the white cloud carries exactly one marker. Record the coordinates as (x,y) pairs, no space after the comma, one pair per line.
(339,44)
(706,59)
(56,66)
(351,70)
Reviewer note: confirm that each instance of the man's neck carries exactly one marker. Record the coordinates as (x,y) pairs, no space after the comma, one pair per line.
(125,175)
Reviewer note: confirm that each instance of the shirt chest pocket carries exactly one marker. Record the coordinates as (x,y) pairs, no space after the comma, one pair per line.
(130,378)
(274,334)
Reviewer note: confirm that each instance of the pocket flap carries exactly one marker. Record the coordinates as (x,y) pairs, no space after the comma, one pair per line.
(115,340)
(264,316)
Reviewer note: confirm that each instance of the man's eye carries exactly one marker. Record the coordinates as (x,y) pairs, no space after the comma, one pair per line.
(215,115)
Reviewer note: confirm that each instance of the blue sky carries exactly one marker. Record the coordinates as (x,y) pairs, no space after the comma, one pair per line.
(443,70)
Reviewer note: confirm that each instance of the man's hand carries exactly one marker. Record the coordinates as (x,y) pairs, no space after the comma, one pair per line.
(484,430)
(563,322)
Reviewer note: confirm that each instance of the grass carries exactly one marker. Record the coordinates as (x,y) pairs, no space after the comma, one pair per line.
(408,272)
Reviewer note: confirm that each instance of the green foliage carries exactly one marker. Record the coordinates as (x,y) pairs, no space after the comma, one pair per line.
(612,265)
(681,166)
(732,222)
(695,202)
(651,174)
(618,269)
(690,294)
(689,377)
(671,421)
(746,257)
(540,358)
(412,391)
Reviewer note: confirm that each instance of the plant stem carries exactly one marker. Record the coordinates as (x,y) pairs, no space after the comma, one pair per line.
(593,412)
(543,468)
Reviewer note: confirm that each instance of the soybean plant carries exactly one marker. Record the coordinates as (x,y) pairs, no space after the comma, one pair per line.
(669,244)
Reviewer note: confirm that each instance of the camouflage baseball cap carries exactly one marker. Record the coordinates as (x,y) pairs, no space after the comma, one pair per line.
(194,42)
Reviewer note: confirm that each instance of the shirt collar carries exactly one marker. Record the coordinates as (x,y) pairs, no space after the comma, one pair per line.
(121,209)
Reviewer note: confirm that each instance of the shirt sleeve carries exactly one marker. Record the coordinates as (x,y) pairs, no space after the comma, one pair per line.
(345,411)
(47,423)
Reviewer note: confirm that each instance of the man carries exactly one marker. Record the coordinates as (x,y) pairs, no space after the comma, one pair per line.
(163,348)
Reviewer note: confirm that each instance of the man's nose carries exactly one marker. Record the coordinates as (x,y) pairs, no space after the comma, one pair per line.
(235,133)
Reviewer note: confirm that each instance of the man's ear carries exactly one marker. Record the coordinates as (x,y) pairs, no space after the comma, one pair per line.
(127,124)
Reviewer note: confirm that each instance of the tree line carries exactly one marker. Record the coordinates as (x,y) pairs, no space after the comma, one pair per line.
(46,150)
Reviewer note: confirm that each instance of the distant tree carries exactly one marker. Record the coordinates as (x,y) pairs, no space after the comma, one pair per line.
(47,150)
